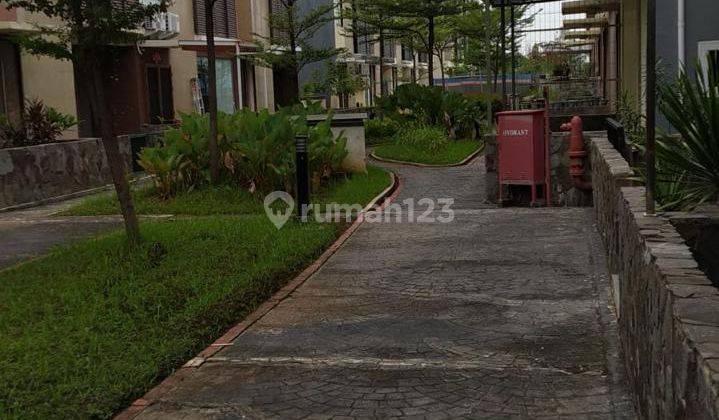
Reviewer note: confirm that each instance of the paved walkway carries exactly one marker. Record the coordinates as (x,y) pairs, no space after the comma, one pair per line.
(28,233)
(500,314)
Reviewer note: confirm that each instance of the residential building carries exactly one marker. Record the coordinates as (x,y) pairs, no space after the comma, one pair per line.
(399,65)
(149,83)
(687,33)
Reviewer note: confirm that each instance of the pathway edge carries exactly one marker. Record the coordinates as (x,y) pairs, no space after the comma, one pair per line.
(464,161)
(169,383)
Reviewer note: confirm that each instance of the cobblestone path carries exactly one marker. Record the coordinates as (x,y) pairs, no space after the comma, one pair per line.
(502,313)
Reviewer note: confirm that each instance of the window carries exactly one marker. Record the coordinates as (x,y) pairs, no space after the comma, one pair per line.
(224,72)
(225,19)
(709,54)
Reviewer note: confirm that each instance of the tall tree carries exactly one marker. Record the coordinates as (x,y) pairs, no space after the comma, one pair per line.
(86,34)
(373,22)
(424,14)
(290,46)
(472,25)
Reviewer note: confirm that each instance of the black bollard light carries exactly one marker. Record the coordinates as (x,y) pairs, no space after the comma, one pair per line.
(302,163)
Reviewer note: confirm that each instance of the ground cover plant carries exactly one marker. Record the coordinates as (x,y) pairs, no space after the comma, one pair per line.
(426,145)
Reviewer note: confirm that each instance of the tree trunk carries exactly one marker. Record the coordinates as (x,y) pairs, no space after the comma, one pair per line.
(414,68)
(430,42)
(441,68)
(293,84)
(91,62)
(212,92)
(381,63)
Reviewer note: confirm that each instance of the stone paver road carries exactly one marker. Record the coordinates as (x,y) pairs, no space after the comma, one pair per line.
(28,233)
(502,313)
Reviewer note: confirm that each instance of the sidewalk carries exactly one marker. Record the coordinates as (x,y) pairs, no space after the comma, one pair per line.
(31,232)
(502,313)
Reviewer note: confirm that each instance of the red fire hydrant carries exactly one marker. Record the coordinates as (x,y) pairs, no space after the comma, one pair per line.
(576,152)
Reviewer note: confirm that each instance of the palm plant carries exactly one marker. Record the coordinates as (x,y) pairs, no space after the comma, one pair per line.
(688,164)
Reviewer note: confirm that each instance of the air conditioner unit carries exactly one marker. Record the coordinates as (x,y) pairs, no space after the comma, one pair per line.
(162,26)
(154,24)
(172,24)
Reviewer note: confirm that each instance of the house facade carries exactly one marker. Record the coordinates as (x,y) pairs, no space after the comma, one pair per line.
(152,82)
(398,65)
(687,33)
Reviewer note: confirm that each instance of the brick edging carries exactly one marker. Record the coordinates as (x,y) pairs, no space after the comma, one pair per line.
(169,383)
(464,161)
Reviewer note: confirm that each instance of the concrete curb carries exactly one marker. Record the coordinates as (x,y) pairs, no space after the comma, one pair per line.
(172,381)
(464,162)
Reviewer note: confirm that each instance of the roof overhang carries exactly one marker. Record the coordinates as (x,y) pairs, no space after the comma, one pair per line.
(590,6)
(500,3)
(600,21)
(222,45)
(590,33)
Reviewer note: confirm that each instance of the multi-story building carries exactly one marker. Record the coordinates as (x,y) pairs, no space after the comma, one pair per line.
(149,83)
(398,65)
(687,33)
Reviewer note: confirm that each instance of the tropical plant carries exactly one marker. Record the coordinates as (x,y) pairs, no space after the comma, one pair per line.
(40,124)
(430,105)
(337,79)
(44,124)
(688,163)
(256,149)
(168,168)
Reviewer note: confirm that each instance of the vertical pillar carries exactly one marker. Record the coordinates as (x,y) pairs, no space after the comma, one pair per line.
(303,174)
(651,106)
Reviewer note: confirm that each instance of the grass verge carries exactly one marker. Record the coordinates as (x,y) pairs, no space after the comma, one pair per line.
(227,200)
(92,326)
(455,152)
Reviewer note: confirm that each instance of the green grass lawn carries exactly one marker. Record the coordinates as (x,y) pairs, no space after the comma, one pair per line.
(91,326)
(227,200)
(455,152)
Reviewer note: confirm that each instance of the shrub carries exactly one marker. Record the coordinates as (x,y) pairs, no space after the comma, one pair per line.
(688,164)
(424,136)
(430,105)
(257,152)
(41,124)
(380,129)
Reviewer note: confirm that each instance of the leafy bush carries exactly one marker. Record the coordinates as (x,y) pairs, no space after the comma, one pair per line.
(423,103)
(41,124)
(688,164)
(425,137)
(430,105)
(631,119)
(257,151)
(380,129)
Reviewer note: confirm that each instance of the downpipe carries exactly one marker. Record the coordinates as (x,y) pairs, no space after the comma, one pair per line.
(577,153)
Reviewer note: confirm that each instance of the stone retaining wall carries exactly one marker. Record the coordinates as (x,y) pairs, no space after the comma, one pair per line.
(37,173)
(668,310)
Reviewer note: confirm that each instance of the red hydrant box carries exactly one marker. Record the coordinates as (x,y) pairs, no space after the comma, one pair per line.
(521,147)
